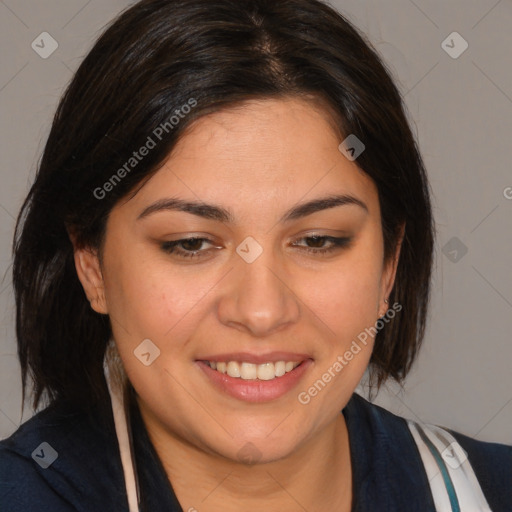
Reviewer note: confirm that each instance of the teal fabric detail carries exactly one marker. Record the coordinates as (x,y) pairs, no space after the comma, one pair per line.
(454,502)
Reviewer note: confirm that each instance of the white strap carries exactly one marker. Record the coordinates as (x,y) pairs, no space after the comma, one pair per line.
(453,482)
(123,438)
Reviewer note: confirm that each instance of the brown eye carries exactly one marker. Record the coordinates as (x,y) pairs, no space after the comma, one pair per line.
(187,247)
(315,241)
(192,244)
(323,244)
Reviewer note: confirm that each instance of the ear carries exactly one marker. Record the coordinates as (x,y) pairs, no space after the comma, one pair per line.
(389,274)
(88,269)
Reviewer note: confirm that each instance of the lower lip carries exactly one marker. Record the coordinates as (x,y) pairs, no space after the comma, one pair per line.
(255,390)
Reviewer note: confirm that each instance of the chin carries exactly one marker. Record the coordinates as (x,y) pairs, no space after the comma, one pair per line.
(260,449)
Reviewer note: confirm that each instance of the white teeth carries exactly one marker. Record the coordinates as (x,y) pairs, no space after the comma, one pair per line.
(250,371)
(233,369)
(266,371)
(280,368)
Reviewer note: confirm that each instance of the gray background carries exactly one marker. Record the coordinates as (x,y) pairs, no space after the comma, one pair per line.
(461,111)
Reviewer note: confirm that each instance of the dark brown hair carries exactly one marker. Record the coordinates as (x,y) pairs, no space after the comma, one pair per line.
(150,62)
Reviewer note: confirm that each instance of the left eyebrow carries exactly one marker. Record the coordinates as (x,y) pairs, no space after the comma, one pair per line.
(324,203)
(218,213)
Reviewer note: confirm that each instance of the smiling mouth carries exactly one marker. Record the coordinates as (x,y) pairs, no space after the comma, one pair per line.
(251,371)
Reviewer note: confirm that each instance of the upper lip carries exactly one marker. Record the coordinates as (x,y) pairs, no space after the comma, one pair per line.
(246,357)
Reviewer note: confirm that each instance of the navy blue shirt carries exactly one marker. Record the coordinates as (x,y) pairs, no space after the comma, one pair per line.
(85,471)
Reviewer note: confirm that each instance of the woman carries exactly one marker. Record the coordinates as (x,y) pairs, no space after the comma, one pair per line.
(230,223)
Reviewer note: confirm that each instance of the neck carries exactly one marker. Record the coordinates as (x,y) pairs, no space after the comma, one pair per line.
(316,476)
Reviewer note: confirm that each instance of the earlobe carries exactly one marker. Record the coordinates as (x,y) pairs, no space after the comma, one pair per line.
(89,273)
(390,271)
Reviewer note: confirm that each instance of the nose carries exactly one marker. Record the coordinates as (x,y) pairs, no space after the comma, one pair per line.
(258,300)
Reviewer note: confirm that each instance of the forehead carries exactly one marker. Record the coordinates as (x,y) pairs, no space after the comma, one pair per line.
(267,137)
(260,154)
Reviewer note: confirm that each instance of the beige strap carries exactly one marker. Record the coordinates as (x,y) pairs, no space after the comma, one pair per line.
(123,438)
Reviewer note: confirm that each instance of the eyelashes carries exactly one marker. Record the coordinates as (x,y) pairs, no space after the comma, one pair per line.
(191,248)
(336,243)
(174,247)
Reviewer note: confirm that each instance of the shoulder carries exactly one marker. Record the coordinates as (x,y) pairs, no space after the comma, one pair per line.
(54,461)
(491,462)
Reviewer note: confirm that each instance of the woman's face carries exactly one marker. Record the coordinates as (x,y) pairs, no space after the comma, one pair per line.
(288,269)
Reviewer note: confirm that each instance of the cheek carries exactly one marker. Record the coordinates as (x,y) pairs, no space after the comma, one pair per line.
(346,297)
(345,301)
(150,301)
(149,296)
